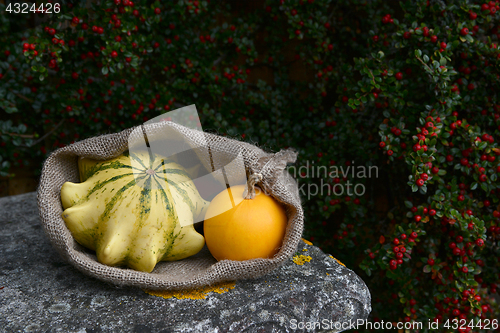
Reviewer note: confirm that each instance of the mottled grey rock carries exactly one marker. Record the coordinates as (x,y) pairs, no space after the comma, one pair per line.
(41,293)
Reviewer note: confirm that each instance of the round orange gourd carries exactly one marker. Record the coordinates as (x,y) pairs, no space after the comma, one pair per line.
(247,228)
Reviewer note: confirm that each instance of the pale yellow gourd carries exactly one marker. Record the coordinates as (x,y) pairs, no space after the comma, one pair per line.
(134,210)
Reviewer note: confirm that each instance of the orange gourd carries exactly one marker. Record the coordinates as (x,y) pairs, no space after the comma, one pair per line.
(246,228)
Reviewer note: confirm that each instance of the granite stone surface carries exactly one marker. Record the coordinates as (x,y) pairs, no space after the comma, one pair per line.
(39,292)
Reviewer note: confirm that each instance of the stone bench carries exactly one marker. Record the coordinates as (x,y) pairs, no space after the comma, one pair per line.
(42,293)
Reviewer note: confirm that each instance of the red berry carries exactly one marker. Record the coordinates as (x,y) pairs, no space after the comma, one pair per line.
(443,45)
(74,75)
(417,218)
(75,20)
(432,212)
(430,261)
(399,76)
(157,11)
(420,182)
(464,31)
(114,54)
(479,242)
(434,38)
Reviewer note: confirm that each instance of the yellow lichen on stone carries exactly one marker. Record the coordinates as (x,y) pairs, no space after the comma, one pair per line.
(337,260)
(300,260)
(197,293)
(306,241)
(304,249)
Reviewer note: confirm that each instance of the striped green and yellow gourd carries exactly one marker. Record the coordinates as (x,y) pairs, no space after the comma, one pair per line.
(134,210)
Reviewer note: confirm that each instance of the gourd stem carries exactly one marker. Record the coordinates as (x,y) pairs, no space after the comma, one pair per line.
(250,190)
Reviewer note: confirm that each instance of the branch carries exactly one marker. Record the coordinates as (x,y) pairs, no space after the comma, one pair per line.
(11,104)
(22,96)
(371,74)
(423,63)
(27,136)
(217,61)
(46,134)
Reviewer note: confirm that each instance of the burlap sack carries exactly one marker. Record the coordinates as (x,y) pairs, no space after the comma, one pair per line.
(199,270)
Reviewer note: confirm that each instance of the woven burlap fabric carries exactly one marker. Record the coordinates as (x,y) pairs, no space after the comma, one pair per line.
(200,270)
